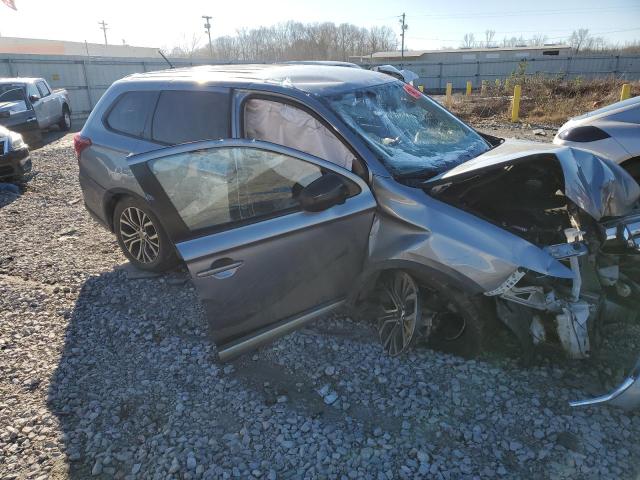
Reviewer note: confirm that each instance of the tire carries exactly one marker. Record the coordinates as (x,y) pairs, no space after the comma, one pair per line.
(456,320)
(632,166)
(65,121)
(147,248)
(445,318)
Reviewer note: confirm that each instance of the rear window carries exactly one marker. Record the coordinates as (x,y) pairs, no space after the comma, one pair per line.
(131,113)
(188,116)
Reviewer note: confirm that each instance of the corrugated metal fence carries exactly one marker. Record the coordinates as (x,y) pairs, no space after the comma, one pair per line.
(435,75)
(86,78)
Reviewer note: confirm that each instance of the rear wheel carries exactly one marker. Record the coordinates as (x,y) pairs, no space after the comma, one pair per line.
(141,236)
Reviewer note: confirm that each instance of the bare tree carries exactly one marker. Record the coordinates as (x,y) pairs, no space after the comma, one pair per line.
(488,38)
(579,38)
(514,41)
(188,46)
(295,41)
(538,40)
(468,41)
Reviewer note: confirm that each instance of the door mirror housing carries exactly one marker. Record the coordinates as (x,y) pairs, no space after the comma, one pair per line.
(323,193)
(34,98)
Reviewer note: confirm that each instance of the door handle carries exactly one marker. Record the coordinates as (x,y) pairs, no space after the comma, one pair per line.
(221,269)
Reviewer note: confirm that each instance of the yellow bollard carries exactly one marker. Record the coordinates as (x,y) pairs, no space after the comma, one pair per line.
(626,91)
(447,101)
(483,88)
(515,106)
(421,88)
(468,88)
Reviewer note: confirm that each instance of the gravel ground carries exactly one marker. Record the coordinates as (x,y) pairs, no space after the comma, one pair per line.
(109,376)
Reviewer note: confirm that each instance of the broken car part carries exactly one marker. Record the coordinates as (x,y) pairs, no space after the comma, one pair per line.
(275,233)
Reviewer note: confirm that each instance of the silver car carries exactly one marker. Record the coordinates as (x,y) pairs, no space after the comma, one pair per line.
(611,132)
(292,190)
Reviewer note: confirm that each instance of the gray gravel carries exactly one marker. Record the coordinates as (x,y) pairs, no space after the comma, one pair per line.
(106,376)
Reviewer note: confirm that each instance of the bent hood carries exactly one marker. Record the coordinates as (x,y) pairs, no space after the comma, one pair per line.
(596,185)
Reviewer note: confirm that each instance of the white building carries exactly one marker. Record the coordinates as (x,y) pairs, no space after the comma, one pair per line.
(36,46)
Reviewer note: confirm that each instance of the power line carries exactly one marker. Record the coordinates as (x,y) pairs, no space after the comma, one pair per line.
(530,12)
(207,27)
(403,27)
(530,31)
(104,30)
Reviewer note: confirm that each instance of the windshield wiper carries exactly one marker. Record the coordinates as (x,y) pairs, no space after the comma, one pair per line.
(423,174)
(427,173)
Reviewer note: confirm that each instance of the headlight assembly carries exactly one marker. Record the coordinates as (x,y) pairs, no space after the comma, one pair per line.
(15,141)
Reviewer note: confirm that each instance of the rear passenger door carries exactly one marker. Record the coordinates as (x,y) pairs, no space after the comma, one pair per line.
(183,116)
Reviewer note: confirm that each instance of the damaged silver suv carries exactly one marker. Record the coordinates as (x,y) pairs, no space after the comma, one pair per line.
(290,190)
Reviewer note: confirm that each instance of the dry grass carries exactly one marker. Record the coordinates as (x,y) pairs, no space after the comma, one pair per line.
(545,100)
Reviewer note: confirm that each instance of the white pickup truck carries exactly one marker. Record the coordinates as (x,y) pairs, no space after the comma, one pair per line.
(29,105)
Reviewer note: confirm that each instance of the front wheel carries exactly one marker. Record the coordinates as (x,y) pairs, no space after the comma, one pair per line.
(65,121)
(409,309)
(141,236)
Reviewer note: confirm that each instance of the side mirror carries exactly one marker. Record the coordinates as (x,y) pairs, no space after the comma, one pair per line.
(323,193)
(34,98)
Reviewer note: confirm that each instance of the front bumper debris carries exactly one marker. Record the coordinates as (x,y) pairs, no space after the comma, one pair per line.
(626,395)
(622,233)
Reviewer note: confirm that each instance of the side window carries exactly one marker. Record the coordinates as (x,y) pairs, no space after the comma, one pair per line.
(132,112)
(187,116)
(286,125)
(32,90)
(222,185)
(44,90)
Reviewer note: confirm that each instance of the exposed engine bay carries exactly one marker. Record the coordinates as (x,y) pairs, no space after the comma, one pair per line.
(531,199)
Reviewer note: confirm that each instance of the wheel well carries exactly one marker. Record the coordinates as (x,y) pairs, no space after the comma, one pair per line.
(631,162)
(111,200)
(65,106)
(365,283)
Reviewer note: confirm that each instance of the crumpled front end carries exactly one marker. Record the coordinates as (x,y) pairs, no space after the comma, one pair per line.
(580,211)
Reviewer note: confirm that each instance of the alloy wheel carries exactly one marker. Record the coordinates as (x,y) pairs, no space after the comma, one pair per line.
(67,119)
(139,235)
(399,315)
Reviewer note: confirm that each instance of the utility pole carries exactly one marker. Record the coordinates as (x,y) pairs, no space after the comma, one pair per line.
(207,27)
(103,26)
(403,27)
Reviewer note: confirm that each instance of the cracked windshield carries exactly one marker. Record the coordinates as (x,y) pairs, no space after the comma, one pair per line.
(412,134)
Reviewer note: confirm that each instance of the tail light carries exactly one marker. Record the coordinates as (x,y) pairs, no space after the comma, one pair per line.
(80,143)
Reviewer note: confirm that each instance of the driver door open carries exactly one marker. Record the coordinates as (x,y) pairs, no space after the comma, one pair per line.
(262,265)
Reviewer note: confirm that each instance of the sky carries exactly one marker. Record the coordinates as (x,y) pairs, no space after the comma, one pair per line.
(162,23)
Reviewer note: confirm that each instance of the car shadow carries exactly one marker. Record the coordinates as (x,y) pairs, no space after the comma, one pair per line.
(42,139)
(138,390)
(9,193)
(119,360)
